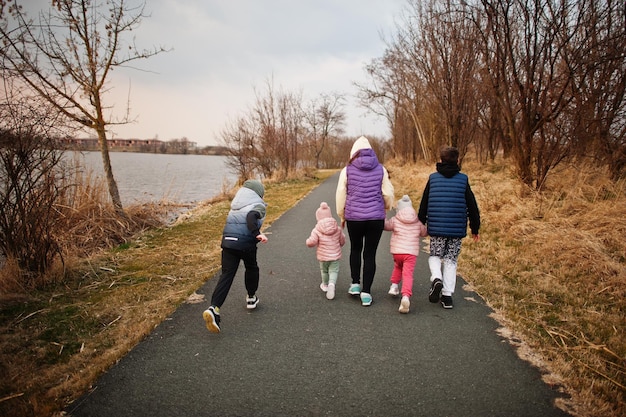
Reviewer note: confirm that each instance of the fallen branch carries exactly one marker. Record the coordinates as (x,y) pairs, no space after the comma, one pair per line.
(566,349)
(608,378)
(30,315)
(11,397)
(118,317)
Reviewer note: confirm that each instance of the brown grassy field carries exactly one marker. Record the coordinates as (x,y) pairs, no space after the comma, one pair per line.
(54,342)
(551,265)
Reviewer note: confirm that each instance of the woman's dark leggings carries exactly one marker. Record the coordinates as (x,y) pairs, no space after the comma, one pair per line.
(364,238)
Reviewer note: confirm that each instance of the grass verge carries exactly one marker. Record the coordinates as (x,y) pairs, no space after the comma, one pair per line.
(55,342)
(551,265)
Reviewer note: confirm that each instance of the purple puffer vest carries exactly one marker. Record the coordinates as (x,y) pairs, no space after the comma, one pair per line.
(364,196)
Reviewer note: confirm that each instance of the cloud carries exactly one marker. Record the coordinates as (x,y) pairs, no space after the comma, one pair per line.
(221,51)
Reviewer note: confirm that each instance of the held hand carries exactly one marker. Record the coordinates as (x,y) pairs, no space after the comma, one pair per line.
(343,224)
(262,238)
(475,238)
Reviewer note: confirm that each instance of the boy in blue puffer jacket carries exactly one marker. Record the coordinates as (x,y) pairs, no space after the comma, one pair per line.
(447,203)
(241,234)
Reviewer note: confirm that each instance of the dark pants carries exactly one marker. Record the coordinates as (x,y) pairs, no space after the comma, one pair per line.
(230,263)
(364,238)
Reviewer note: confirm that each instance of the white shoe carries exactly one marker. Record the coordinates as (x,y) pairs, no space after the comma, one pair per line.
(323,287)
(355,289)
(404,304)
(394,290)
(251,302)
(366,299)
(330,293)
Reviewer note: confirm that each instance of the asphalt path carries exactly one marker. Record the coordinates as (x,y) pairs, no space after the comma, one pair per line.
(299,354)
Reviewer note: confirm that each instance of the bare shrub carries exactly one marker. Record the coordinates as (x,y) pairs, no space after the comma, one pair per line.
(54,211)
(29,172)
(88,221)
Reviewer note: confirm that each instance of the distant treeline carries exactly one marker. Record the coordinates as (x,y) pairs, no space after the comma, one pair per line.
(174,146)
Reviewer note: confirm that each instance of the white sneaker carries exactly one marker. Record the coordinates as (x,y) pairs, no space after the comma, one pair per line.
(404,304)
(355,289)
(212,318)
(330,293)
(394,290)
(251,302)
(366,299)
(323,287)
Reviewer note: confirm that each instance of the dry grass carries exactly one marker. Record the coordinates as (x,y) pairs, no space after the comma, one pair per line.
(55,342)
(553,267)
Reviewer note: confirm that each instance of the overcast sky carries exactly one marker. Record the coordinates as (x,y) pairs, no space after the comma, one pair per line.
(222,50)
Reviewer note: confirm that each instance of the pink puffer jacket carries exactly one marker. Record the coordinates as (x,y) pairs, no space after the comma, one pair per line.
(406,232)
(329,238)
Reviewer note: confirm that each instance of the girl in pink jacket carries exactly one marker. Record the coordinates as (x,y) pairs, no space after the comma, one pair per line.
(406,230)
(329,238)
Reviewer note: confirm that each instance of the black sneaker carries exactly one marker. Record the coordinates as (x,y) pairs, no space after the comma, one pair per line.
(435,290)
(212,319)
(251,302)
(446,301)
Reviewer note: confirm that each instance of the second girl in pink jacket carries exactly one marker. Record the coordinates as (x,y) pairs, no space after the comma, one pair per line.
(406,230)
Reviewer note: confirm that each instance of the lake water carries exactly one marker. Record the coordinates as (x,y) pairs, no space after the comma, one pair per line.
(145,177)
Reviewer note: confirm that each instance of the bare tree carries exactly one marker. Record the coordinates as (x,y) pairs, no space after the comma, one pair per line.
(274,136)
(525,48)
(323,119)
(278,116)
(394,91)
(290,130)
(428,75)
(239,139)
(543,80)
(267,144)
(597,118)
(445,52)
(66,56)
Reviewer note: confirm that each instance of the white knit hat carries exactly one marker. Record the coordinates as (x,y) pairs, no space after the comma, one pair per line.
(404,202)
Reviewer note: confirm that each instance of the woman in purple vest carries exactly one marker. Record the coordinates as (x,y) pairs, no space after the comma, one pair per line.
(364,193)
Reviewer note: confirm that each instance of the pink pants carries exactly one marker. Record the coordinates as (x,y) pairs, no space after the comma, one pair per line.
(403,266)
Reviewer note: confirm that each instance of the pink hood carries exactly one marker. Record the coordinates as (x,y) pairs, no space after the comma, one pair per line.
(406,232)
(328,237)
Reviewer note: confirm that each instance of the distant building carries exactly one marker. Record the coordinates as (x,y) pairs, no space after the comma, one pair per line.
(78,144)
(131,145)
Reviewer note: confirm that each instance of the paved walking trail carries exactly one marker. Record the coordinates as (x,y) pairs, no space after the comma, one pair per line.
(299,354)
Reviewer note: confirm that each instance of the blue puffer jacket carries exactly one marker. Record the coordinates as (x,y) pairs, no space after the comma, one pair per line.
(447,208)
(237,234)
(448,202)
